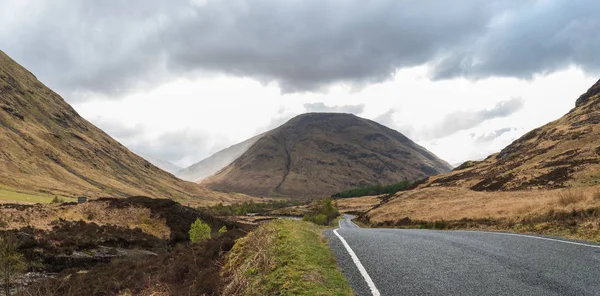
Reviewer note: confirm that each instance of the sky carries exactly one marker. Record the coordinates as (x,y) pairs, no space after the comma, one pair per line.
(182,79)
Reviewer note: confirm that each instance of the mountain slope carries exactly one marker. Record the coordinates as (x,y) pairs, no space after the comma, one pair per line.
(214,163)
(45,146)
(318,154)
(562,153)
(162,164)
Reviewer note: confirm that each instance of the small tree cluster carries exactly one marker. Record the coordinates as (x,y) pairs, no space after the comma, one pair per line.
(324,213)
(373,190)
(56,200)
(199,231)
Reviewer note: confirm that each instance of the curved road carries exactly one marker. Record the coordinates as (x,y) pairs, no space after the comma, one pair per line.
(428,262)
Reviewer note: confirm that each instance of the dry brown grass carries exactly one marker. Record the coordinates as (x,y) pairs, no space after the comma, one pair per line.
(357,204)
(159,289)
(40,217)
(568,212)
(570,196)
(453,203)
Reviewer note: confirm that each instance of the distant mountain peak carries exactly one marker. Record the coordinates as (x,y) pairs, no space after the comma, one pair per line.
(214,163)
(317,154)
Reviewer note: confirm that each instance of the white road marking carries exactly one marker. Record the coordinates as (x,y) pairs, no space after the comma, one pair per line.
(361,268)
(536,237)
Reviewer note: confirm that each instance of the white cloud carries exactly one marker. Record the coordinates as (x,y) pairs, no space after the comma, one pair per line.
(212,113)
(181,79)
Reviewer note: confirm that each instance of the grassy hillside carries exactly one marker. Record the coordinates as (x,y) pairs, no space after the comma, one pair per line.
(46,147)
(562,153)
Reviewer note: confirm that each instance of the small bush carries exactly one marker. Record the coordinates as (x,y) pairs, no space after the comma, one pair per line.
(199,231)
(12,263)
(319,219)
(56,200)
(568,197)
(323,213)
(223,230)
(89,213)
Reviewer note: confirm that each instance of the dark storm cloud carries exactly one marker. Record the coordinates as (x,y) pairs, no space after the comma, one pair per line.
(463,120)
(321,107)
(111,47)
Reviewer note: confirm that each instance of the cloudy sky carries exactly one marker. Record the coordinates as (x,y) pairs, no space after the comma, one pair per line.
(182,79)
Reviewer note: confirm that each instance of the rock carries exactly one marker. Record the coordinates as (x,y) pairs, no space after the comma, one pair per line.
(583,99)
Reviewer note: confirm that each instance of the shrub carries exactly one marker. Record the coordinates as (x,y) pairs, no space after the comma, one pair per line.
(568,197)
(223,230)
(11,262)
(319,219)
(56,200)
(199,231)
(323,213)
(89,213)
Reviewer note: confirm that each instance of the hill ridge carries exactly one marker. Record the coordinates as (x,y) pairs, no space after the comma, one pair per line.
(561,153)
(47,147)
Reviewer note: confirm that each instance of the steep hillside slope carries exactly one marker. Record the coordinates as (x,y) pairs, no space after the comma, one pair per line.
(318,154)
(214,163)
(45,146)
(162,164)
(565,152)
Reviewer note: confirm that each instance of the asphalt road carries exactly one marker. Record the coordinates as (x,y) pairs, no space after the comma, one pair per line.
(428,262)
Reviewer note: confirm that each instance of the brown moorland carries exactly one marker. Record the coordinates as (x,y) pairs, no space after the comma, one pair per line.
(118,246)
